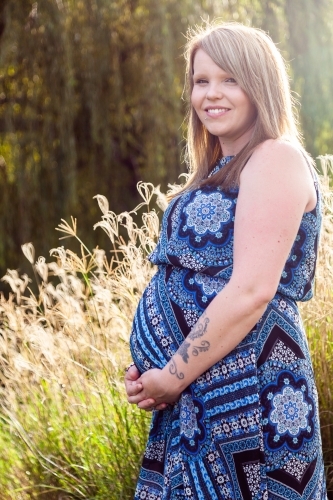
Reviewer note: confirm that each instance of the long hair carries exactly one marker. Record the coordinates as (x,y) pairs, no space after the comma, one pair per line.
(252,58)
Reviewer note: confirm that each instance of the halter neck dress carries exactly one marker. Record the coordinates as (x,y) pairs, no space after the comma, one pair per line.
(247,428)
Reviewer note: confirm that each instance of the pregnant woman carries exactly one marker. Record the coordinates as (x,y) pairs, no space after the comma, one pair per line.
(218,344)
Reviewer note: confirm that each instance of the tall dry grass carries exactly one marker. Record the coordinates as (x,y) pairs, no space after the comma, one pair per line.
(67,431)
(318,317)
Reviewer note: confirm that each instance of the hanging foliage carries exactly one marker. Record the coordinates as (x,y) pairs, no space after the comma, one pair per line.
(91,101)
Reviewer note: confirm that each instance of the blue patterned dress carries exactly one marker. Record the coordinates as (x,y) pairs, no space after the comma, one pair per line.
(248,427)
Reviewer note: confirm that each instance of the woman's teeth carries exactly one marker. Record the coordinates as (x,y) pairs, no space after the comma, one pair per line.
(217,110)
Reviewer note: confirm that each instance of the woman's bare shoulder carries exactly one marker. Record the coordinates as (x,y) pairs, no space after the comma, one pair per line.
(275,148)
(279,166)
(278,156)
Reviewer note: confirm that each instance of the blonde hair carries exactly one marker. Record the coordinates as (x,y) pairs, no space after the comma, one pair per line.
(252,58)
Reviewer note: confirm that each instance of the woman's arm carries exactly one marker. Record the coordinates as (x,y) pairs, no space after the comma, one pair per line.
(276,189)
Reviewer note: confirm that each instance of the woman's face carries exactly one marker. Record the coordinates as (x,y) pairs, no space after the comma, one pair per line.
(221,104)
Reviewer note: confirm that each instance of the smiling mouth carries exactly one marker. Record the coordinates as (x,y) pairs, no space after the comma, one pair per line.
(216,111)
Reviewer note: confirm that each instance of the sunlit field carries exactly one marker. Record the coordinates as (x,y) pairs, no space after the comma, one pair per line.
(66,428)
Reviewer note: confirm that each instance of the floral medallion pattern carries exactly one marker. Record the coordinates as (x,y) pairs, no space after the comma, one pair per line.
(207,212)
(194,427)
(289,412)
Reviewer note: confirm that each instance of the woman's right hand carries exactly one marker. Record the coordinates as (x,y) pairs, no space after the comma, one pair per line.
(133,388)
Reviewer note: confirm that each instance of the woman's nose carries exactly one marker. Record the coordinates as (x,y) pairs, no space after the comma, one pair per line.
(214,92)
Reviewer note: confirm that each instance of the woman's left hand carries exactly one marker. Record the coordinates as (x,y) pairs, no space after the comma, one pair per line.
(135,394)
(156,387)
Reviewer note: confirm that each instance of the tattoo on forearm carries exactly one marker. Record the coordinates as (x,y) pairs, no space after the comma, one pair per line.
(203,347)
(199,328)
(196,349)
(173,370)
(198,331)
(183,351)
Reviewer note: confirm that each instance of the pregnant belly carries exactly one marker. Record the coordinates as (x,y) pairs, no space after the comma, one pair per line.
(170,306)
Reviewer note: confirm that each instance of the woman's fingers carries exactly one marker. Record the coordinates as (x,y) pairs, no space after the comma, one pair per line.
(132,390)
(140,397)
(161,406)
(132,387)
(132,373)
(147,404)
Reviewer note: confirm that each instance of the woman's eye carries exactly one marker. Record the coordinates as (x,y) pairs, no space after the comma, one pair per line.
(230,80)
(201,80)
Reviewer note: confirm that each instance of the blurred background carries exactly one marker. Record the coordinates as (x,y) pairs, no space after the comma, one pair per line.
(91,102)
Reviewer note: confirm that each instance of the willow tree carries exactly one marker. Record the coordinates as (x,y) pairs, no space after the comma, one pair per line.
(310,42)
(90,101)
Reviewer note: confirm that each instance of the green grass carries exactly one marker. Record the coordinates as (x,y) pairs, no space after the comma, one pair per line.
(64,444)
(321,348)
